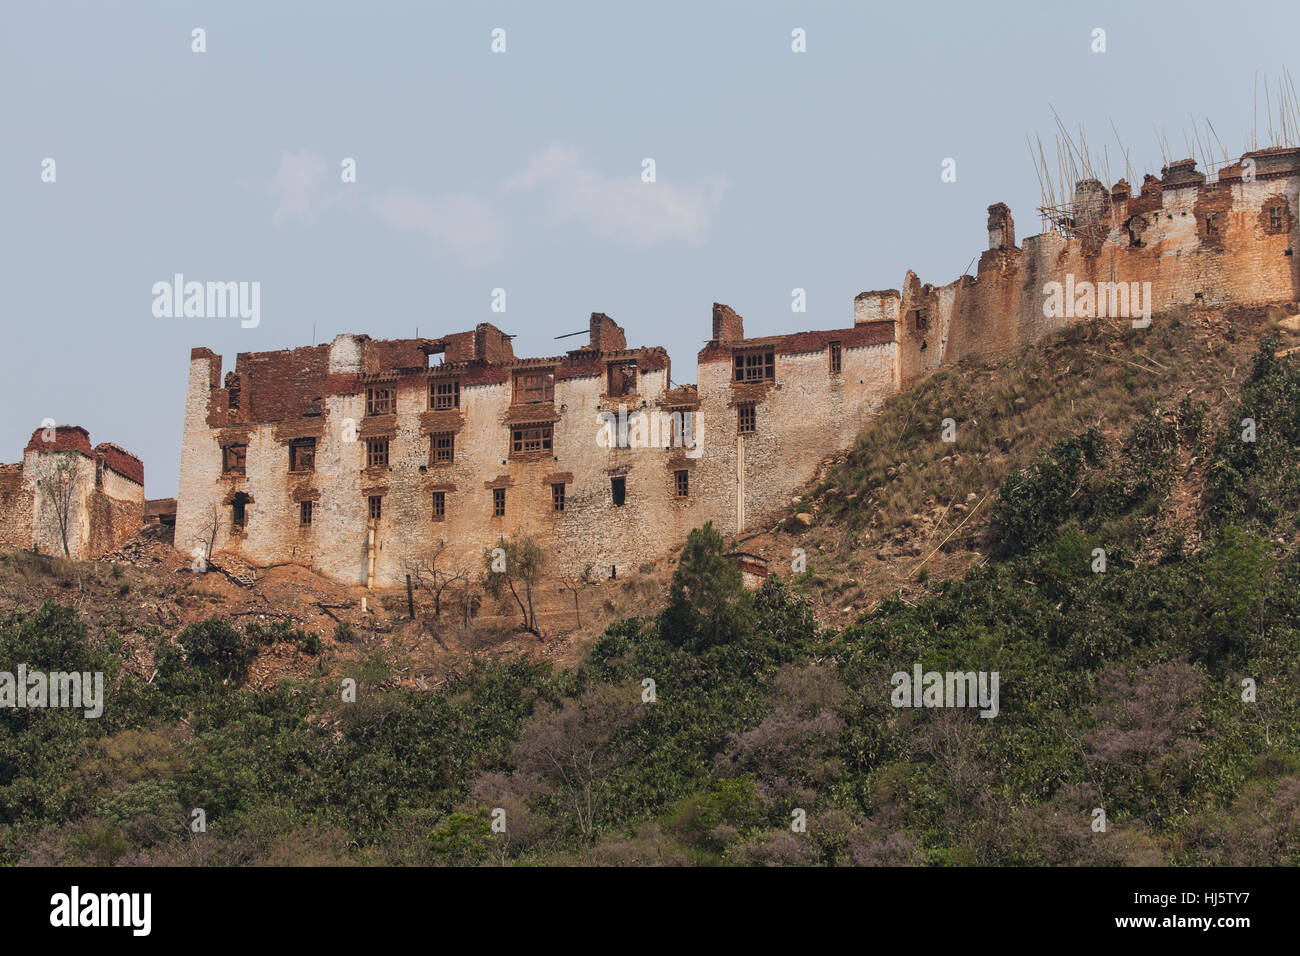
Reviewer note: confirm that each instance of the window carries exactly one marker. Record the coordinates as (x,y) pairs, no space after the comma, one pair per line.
(239,512)
(920,321)
(376,452)
(444,448)
(535,386)
(836,364)
(755,366)
(1212,224)
(233,459)
(439,505)
(304,513)
(302,455)
(376,507)
(380,401)
(745,419)
(622,379)
(444,396)
(557,496)
(498,502)
(618,490)
(1275,217)
(683,480)
(531,438)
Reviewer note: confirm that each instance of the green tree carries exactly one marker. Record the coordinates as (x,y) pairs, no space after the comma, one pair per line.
(515,566)
(707,602)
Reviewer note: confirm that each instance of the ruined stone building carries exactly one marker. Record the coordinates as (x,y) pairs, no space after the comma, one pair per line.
(63,484)
(358,457)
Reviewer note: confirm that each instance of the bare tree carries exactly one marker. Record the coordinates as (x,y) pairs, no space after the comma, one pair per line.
(59,489)
(577,749)
(206,540)
(516,566)
(574,585)
(433,580)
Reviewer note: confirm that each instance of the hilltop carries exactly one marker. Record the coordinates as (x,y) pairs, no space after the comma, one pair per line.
(687,719)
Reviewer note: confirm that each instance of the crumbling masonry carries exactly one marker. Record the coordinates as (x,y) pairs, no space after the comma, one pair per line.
(358,457)
(95,494)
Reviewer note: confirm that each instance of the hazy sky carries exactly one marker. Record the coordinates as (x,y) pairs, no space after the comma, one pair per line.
(521,170)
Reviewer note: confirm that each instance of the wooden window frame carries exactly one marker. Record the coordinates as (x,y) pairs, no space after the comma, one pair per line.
(234,458)
(532,439)
(444,402)
(375,507)
(682,483)
(380,400)
(305,514)
(296,448)
(754,365)
(375,457)
(444,455)
(439,505)
(533,386)
(499,502)
(557,496)
(836,357)
(746,419)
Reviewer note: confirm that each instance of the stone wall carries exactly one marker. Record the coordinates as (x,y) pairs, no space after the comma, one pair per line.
(105,508)
(763,415)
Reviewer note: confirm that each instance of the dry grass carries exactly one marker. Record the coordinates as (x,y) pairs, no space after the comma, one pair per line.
(898,507)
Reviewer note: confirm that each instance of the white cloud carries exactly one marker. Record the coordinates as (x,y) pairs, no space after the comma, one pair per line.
(475,230)
(621,208)
(299,188)
(467,227)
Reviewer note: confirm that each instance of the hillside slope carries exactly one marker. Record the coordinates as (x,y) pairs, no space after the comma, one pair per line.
(1128,571)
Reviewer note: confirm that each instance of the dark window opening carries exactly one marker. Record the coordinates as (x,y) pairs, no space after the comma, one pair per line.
(376,452)
(498,502)
(622,379)
(239,512)
(380,401)
(376,507)
(1275,217)
(836,358)
(234,459)
(1134,234)
(444,396)
(920,321)
(439,505)
(557,496)
(302,454)
(618,489)
(1212,224)
(683,482)
(746,419)
(755,366)
(444,448)
(304,512)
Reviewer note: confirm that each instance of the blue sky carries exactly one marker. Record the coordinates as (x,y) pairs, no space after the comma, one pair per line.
(522,170)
